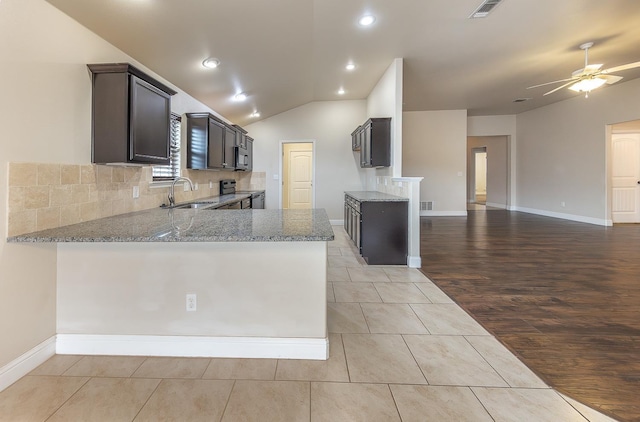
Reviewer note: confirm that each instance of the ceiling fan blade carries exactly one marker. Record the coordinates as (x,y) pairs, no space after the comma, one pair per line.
(621,67)
(611,79)
(554,82)
(560,87)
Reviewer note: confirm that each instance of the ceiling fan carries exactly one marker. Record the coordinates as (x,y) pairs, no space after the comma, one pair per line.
(590,77)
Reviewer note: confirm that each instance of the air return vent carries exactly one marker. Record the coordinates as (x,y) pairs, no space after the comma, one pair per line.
(484,9)
(426,206)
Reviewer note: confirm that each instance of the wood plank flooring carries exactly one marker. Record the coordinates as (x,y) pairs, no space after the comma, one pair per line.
(563,296)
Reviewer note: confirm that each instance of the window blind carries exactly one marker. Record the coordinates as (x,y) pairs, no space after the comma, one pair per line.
(172,170)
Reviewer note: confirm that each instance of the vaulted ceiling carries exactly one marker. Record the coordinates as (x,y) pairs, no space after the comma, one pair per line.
(285,53)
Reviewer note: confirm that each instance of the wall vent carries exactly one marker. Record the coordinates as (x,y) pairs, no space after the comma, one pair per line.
(484,9)
(426,206)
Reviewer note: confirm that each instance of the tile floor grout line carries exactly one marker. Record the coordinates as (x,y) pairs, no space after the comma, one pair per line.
(69,398)
(414,357)
(148,398)
(394,401)
(486,360)
(419,319)
(226,404)
(481,403)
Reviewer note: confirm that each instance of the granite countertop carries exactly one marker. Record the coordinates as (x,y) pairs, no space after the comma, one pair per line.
(374,196)
(194,225)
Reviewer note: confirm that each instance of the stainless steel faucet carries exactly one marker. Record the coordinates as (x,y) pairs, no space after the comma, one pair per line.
(172,198)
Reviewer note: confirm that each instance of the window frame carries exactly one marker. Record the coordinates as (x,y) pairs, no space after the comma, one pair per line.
(171,171)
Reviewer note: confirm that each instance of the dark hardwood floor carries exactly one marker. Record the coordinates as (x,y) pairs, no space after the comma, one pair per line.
(563,296)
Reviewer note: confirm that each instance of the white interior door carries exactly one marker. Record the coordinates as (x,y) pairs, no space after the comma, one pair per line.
(481,173)
(299,176)
(625,179)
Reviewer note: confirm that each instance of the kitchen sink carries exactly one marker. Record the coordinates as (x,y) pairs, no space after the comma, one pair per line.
(201,205)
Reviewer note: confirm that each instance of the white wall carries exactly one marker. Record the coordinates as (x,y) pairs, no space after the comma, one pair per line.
(385,100)
(45,113)
(330,124)
(435,147)
(496,168)
(562,155)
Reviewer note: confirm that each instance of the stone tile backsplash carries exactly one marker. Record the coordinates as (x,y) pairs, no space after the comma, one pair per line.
(387,185)
(44,196)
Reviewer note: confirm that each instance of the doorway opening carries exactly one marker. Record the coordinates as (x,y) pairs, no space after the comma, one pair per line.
(624,175)
(488,173)
(297,169)
(480,185)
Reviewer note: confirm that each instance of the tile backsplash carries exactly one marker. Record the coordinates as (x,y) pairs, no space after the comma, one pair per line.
(44,196)
(386,184)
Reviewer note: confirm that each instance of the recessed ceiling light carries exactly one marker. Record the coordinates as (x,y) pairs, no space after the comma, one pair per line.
(211,63)
(341,91)
(367,20)
(350,66)
(254,114)
(240,97)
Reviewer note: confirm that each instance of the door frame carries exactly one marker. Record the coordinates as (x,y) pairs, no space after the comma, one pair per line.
(472,173)
(281,172)
(610,131)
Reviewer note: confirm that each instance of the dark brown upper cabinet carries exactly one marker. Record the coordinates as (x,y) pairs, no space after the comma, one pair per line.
(210,142)
(241,137)
(130,116)
(250,153)
(373,140)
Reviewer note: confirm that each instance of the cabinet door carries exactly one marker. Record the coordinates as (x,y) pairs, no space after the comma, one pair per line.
(216,144)
(250,153)
(197,142)
(229,142)
(365,148)
(355,139)
(150,111)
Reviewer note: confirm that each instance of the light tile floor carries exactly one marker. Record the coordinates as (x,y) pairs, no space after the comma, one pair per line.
(400,350)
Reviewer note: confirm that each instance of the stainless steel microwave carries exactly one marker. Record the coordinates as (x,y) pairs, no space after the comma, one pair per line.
(242,158)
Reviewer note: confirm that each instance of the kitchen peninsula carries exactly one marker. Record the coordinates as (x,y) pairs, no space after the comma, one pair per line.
(124,283)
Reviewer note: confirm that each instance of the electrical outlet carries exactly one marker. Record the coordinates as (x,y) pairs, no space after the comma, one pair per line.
(136,191)
(210,184)
(191,302)
(185,187)
(195,186)
(562,204)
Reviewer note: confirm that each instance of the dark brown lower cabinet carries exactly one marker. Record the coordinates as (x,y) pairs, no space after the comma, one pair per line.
(379,229)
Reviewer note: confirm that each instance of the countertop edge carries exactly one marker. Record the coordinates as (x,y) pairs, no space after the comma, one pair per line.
(375,196)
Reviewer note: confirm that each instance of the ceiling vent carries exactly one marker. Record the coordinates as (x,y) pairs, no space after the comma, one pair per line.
(521,100)
(484,9)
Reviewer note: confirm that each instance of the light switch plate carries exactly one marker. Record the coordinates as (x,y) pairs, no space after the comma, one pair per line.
(136,191)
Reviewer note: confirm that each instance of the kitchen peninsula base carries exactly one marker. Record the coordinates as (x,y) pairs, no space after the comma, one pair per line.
(254,299)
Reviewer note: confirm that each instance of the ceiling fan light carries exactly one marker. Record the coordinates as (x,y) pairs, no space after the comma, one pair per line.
(587,85)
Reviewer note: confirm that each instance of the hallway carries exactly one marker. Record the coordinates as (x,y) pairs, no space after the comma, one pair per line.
(563,296)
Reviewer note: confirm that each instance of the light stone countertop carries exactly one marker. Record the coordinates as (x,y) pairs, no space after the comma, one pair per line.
(374,196)
(194,225)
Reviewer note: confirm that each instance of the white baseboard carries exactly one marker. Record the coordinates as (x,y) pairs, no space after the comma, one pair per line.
(336,222)
(193,346)
(495,205)
(27,362)
(443,213)
(571,217)
(414,261)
